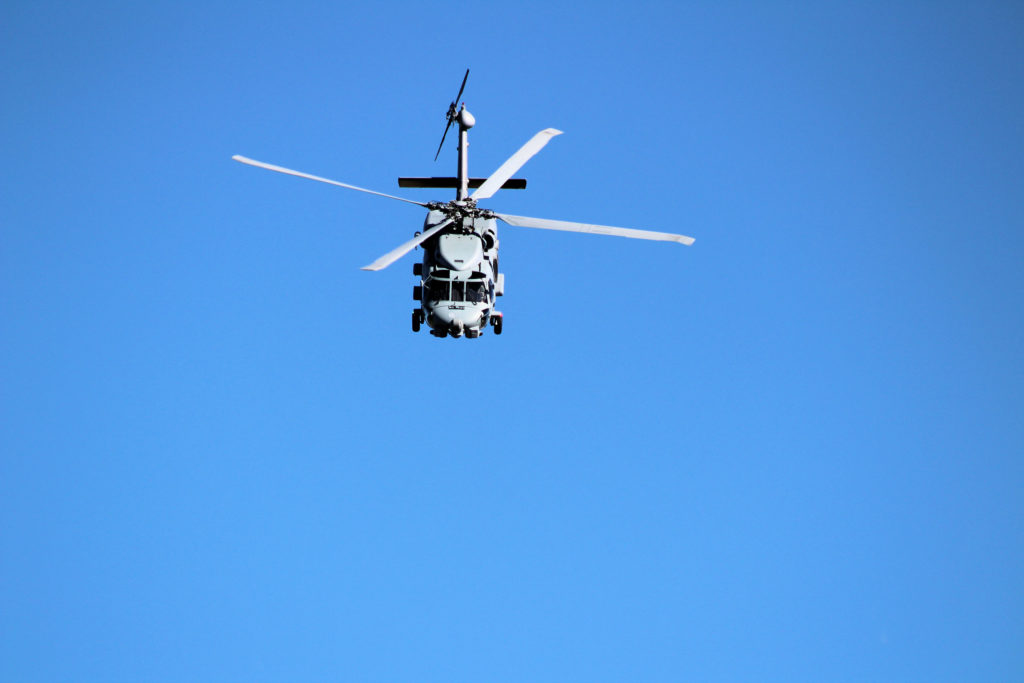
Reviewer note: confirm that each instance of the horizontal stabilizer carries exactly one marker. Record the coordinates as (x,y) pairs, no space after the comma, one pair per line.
(510,184)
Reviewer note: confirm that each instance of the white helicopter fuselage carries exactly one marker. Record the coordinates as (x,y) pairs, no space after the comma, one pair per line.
(459,278)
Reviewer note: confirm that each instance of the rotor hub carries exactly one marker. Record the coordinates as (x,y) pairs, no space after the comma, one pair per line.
(460,210)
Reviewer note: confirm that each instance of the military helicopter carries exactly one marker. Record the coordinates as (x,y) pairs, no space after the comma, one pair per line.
(459,277)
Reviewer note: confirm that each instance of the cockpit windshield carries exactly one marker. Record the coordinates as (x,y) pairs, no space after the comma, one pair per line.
(474,291)
(437,290)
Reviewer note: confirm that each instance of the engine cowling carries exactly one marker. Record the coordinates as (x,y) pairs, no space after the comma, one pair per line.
(460,252)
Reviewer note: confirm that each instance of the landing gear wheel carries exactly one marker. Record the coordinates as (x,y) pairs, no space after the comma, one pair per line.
(496,322)
(416,321)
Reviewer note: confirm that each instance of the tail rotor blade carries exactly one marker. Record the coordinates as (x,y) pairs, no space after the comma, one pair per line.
(442,139)
(461,88)
(452,110)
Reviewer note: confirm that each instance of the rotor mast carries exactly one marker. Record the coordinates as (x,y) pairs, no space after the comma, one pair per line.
(466,121)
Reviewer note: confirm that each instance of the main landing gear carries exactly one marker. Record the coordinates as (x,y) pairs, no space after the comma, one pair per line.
(417,319)
(496,319)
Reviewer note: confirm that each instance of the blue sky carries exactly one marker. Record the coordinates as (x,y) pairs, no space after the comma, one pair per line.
(790,452)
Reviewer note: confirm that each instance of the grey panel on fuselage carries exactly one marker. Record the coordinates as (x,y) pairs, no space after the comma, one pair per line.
(460,252)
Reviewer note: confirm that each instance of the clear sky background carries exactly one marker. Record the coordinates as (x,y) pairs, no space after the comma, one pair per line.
(793,451)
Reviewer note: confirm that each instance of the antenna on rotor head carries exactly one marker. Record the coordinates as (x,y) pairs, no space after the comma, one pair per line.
(452,115)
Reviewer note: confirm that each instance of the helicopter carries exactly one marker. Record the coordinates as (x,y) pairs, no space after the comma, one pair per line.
(459,280)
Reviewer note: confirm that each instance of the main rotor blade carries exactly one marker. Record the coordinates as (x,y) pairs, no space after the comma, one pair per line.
(395,254)
(514,163)
(288,171)
(547,224)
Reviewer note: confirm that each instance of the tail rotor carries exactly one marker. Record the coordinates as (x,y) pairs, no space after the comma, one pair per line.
(453,113)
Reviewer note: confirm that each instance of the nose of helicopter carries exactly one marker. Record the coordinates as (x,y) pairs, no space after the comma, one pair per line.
(457,320)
